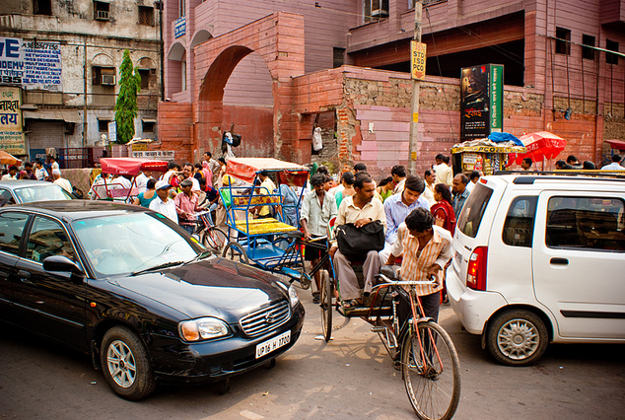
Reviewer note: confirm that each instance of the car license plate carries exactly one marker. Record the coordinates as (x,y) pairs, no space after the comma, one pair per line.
(272,344)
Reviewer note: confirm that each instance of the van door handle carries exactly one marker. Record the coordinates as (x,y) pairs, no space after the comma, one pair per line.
(559,261)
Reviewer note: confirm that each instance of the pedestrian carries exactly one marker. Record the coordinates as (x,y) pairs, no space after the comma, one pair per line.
(425,250)
(145,198)
(460,191)
(443,210)
(347,182)
(442,169)
(186,206)
(61,182)
(430,179)
(474,176)
(214,166)
(615,165)
(290,198)
(572,161)
(40,172)
(30,174)
(187,173)
(162,203)
(207,175)
(12,175)
(318,208)
(526,164)
(385,188)
(141,182)
(266,188)
(360,209)
(170,176)
(360,167)
(588,165)
(53,164)
(561,165)
(398,173)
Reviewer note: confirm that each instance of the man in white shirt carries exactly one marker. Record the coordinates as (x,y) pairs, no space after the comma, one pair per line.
(615,165)
(141,181)
(444,174)
(54,164)
(11,175)
(430,181)
(473,178)
(398,173)
(163,204)
(61,182)
(187,171)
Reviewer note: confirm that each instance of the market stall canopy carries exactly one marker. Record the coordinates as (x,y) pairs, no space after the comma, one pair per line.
(8,159)
(541,145)
(131,166)
(246,169)
(486,145)
(616,144)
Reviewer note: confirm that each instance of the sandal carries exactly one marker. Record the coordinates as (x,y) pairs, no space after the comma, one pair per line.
(351,304)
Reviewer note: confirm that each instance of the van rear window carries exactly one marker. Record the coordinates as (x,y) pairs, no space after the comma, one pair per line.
(473,211)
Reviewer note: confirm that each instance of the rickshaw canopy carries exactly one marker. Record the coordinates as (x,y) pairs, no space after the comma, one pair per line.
(131,166)
(246,169)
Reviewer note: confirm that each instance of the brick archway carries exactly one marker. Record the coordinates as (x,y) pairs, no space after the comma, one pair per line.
(279,40)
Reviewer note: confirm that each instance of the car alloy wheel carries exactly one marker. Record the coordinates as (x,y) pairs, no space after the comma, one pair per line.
(517,337)
(121,364)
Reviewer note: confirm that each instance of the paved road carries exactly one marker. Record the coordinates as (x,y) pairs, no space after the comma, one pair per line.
(349,378)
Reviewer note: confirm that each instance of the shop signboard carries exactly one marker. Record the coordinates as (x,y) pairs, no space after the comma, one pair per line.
(417,59)
(154,154)
(30,64)
(481,108)
(11,134)
(180,27)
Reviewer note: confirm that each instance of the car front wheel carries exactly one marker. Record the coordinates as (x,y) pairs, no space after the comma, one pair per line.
(517,337)
(125,364)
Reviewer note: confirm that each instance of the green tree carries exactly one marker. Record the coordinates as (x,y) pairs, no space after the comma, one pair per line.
(126,106)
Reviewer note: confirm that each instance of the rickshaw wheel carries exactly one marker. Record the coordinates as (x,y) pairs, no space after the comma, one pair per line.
(233,251)
(214,239)
(325,304)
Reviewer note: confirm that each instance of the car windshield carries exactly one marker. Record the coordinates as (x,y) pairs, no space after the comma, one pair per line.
(45,192)
(128,243)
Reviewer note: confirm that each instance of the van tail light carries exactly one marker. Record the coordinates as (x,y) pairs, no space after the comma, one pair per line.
(476,271)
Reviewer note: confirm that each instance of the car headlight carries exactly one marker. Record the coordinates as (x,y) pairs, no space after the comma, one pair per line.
(202,329)
(293,296)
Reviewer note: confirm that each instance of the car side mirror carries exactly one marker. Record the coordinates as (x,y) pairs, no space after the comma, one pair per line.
(63,264)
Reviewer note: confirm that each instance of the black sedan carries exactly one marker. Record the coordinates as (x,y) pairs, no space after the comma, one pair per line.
(130,287)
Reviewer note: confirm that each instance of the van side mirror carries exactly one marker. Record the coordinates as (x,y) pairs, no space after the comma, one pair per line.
(62,264)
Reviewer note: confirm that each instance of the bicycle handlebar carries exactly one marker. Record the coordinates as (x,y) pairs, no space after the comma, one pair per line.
(388,281)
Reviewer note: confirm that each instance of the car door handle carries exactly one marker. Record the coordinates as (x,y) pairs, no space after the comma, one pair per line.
(559,261)
(24,276)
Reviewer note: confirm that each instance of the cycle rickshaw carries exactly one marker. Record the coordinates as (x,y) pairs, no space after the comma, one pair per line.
(420,348)
(124,166)
(268,243)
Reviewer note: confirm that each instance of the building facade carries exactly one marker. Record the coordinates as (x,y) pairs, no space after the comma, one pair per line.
(342,66)
(68,95)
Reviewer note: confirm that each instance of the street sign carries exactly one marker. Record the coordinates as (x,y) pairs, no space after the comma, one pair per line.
(417,59)
(112,126)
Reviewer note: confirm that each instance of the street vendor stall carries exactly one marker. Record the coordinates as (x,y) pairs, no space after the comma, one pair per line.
(484,155)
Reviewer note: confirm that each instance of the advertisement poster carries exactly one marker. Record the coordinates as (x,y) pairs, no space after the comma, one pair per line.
(11,135)
(481,101)
(30,64)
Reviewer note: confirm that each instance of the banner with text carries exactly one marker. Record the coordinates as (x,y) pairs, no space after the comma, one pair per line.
(481,101)
(11,135)
(30,64)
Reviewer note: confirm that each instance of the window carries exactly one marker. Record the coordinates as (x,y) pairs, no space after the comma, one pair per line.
(183,74)
(42,7)
(612,46)
(101,10)
(586,223)
(48,238)
(5,197)
(338,57)
(471,216)
(588,53)
(425,3)
(103,125)
(518,230)
(148,126)
(563,45)
(375,9)
(146,15)
(11,228)
(181,8)
(146,77)
(103,76)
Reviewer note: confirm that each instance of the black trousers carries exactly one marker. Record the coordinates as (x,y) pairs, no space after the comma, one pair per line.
(431,305)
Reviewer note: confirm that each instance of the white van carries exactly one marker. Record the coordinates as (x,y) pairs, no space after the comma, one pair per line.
(540,259)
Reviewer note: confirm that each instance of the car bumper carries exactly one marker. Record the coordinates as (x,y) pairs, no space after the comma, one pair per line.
(473,307)
(175,360)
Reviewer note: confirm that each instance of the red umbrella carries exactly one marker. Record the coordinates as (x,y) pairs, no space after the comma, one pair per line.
(8,159)
(541,145)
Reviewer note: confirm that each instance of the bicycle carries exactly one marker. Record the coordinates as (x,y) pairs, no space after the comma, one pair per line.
(209,234)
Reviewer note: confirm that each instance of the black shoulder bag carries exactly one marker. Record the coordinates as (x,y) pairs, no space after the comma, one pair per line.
(355,242)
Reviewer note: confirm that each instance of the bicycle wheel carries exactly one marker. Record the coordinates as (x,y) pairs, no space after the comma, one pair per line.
(214,239)
(233,251)
(326,305)
(431,371)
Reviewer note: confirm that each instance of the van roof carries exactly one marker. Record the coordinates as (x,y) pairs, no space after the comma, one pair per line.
(529,178)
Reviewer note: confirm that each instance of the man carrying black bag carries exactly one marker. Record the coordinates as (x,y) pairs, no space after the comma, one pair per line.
(359,210)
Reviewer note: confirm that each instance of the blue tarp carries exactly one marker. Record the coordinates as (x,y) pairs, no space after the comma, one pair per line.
(502,137)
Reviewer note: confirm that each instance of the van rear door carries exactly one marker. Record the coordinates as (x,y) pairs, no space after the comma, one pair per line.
(578,258)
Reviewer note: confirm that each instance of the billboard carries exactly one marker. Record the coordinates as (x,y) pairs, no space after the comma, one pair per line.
(11,135)
(481,101)
(30,64)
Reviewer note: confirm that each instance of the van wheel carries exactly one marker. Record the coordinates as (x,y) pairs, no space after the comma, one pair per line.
(517,337)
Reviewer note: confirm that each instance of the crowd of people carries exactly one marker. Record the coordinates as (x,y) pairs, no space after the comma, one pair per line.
(40,171)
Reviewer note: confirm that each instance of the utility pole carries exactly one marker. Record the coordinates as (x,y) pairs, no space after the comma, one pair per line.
(84,86)
(414,111)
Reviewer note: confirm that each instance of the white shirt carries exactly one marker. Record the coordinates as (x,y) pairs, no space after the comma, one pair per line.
(196,184)
(141,181)
(41,174)
(428,194)
(444,174)
(167,176)
(614,166)
(121,182)
(470,186)
(167,209)
(55,165)
(8,177)
(64,183)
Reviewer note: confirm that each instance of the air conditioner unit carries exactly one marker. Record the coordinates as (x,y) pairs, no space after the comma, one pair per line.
(108,79)
(102,15)
(379,13)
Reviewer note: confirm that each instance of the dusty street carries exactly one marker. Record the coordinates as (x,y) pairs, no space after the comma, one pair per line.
(351,377)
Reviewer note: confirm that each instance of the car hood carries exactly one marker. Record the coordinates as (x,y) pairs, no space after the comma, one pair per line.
(214,287)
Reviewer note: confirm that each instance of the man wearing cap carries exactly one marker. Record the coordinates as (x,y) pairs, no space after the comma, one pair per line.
(163,204)
(61,182)
(186,206)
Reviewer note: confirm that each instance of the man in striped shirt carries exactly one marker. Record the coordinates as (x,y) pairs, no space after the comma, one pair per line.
(426,249)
